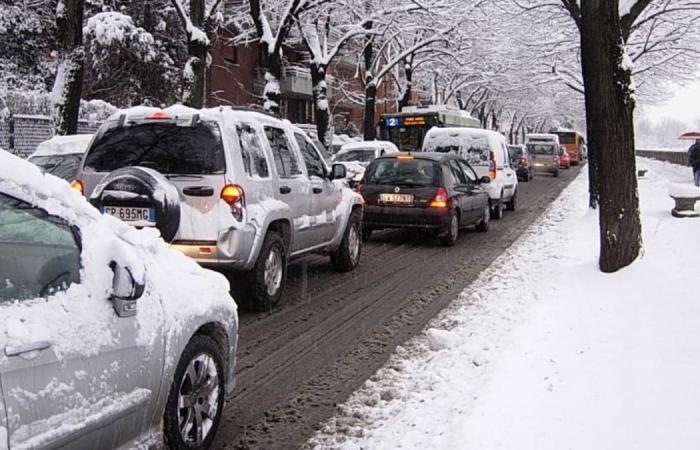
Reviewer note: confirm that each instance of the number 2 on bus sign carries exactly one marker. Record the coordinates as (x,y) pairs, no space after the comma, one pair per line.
(392,121)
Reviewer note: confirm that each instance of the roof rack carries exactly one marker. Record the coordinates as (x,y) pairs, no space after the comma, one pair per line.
(253,109)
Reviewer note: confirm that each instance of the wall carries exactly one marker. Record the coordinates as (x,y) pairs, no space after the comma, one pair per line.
(673,156)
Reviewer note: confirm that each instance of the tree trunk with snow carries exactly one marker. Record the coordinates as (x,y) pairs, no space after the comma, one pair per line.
(319,88)
(194,85)
(66,91)
(609,117)
(406,97)
(370,130)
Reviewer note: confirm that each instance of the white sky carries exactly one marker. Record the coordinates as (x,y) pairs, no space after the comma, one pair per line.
(684,105)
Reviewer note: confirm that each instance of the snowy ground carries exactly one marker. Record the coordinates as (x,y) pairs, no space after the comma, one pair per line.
(545,352)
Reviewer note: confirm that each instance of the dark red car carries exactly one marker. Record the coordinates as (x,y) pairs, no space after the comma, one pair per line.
(564,159)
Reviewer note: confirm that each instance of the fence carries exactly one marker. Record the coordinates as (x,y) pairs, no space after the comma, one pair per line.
(21,134)
(673,156)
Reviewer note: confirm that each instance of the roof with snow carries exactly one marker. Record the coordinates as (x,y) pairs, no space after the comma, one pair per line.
(64,145)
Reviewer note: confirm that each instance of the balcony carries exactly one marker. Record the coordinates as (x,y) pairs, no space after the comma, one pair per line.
(296,82)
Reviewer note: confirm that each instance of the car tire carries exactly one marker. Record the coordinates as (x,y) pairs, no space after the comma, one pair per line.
(555,174)
(267,280)
(497,209)
(146,183)
(202,360)
(347,256)
(485,223)
(513,202)
(366,233)
(449,236)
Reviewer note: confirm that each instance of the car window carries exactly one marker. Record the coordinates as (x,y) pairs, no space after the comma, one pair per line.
(461,178)
(403,172)
(39,254)
(168,147)
(314,165)
(542,149)
(285,159)
(468,171)
(62,166)
(252,151)
(360,155)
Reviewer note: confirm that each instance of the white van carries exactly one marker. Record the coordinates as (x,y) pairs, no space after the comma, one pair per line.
(544,150)
(487,152)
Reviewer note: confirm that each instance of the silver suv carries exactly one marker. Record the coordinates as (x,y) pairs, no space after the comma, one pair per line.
(236,190)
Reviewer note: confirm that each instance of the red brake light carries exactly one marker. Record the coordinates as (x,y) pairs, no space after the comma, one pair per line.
(159,115)
(492,166)
(440,200)
(232,194)
(78,186)
(523,160)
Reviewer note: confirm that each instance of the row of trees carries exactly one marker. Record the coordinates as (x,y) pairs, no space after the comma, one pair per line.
(517,65)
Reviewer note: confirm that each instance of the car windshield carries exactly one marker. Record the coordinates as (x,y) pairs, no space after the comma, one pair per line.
(164,146)
(543,149)
(62,166)
(361,155)
(567,138)
(403,172)
(515,152)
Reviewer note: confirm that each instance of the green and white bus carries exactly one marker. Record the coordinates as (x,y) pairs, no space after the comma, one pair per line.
(407,128)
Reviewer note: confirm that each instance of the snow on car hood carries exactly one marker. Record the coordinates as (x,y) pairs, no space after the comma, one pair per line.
(355,169)
(177,289)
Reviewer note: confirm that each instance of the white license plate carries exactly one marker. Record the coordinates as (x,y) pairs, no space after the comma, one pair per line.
(396,198)
(130,213)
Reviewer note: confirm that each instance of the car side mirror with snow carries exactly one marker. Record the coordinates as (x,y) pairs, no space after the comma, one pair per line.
(338,172)
(485,180)
(125,291)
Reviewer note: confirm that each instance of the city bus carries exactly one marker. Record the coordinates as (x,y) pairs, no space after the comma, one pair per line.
(407,128)
(574,143)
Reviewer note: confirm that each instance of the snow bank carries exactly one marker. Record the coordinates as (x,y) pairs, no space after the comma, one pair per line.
(549,349)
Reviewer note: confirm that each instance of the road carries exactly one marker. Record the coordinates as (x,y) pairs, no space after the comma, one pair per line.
(333,331)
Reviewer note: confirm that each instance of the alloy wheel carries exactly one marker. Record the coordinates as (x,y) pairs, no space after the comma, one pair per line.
(273,271)
(198,399)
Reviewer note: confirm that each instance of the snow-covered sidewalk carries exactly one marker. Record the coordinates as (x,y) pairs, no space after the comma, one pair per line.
(545,352)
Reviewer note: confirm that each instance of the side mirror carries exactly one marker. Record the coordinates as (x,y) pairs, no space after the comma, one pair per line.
(125,291)
(485,180)
(338,172)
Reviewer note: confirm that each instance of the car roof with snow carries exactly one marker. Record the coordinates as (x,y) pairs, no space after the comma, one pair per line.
(63,145)
(367,145)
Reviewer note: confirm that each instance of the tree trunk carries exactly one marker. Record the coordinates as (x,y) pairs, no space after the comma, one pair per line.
(272,93)
(406,97)
(194,91)
(609,117)
(370,129)
(319,89)
(65,95)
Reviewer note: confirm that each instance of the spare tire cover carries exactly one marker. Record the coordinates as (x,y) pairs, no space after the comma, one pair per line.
(141,187)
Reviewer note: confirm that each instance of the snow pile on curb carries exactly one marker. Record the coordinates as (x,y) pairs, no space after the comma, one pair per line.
(545,352)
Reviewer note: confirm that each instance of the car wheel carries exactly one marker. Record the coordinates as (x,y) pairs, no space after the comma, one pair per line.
(513,202)
(449,236)
(268,277)
(485,222)
(366,233)
(497,209)
(347,257)
(196,398)
(555,174)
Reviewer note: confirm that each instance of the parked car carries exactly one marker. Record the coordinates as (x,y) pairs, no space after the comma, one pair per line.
(357,155)
(564,159)
(487,153)
(425,190)
(109,338)
(61,155)
(239,191)
(545,157)
(522,163)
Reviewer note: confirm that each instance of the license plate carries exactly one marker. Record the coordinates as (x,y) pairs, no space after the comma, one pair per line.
(130,213)
(396,198)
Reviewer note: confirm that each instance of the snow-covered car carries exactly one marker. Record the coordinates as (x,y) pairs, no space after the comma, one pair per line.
(109,338)
(236,190)
(486,152)
(356,156)
(61,155)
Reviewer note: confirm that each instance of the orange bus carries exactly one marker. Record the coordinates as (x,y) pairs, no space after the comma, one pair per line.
(574,143)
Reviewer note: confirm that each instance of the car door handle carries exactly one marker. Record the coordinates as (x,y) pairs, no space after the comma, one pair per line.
(14,350)
(285,190)
(317,190)
(198,191)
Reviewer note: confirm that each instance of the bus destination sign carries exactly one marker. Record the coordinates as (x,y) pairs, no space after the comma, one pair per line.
(413,120)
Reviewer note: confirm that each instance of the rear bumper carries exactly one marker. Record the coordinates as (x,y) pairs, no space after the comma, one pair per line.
(232,249)
(546,168)
(522,171)
(405,217)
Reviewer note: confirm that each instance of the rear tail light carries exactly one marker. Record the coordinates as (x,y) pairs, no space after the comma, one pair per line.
(492,166)
(159,115)
(523,160)
(555,159)
(359,188)
(440,200)
(234,196)
(78,186)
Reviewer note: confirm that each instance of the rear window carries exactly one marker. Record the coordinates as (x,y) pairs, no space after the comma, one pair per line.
(515,152)
(567,138)
(402,172)
(356,155)
(474,149)
(543,149)
(165,147)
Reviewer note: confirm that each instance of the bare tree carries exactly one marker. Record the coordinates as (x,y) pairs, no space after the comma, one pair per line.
(71,65)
